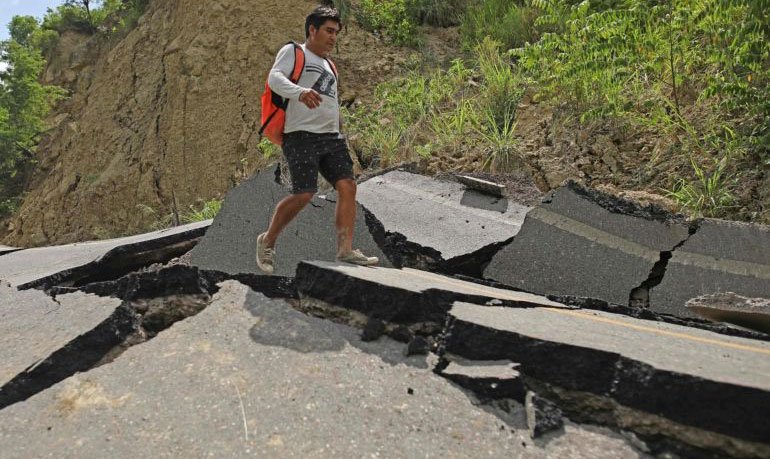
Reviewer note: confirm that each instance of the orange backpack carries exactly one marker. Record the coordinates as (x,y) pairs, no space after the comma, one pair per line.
(274,106)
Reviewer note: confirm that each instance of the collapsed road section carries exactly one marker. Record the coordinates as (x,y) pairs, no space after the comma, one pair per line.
(439,225)
(708,391)
(47,339)
(683,390)
(398,295)
(582,243)
(249,376)
(230,244)
(720,257)
(43,340)
(86,262)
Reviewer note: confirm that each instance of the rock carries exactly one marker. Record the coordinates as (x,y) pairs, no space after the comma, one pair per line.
(373,330)
(417,346)
(543,416)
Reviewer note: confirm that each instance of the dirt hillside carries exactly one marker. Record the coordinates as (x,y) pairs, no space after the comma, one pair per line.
(167,114)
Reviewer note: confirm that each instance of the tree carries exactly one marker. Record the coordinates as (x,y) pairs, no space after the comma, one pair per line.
(86,6)
(24,103)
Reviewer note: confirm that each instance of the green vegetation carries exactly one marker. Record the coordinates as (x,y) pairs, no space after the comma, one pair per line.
(511,23)
(464,111)
(24,101)
(208,210)
(92,16)
(694,71)
(398,20)
(707,195)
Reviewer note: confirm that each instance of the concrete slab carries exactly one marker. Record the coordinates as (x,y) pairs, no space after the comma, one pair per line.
(50,265)
(440,215)
(39,336)
(696,378)
(485,186)
(399,295)
(721,256)
(249,377)
(582,243)
(751,313)
(4,249)
(230,243)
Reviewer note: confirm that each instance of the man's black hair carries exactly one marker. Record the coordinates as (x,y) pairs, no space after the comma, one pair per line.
(319,16)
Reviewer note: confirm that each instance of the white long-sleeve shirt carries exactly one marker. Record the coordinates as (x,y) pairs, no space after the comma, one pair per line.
(317,75)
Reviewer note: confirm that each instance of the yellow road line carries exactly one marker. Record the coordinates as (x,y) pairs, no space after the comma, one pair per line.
(585,315)
(497,294)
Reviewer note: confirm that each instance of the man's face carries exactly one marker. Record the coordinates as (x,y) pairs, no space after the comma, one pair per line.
(325,37)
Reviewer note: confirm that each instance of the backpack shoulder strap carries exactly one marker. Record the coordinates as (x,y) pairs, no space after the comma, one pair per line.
(334,67)
(299,62)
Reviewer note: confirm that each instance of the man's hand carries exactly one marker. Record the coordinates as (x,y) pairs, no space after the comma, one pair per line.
(310,98)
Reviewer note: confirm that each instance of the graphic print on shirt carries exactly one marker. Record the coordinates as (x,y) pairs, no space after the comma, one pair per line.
(325,83)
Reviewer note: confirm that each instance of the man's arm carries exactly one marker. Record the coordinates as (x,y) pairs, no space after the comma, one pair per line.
(279,81)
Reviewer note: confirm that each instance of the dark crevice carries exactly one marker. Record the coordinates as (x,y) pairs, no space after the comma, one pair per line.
(639,297)
(81,354)
(152,302)
(622,206)
(637,313)
(122,260)
(663,408)
(403,253)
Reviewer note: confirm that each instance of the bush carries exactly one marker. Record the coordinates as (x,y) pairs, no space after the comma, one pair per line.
(391,18)
(209,210)
(440,13)
(511,23)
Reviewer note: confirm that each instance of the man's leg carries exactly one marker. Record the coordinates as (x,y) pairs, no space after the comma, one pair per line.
(302,162)
(345,216)
(284,213)
(337,168)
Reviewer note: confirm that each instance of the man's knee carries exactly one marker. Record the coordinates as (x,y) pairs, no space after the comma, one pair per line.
(346,187)
(302,198)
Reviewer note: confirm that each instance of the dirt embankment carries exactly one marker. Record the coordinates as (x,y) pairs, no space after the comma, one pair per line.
(166,115)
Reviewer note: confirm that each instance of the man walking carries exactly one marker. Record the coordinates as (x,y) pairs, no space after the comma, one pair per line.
(312,140)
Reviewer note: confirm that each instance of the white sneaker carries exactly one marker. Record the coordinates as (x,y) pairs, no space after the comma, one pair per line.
(264,255)
(357,258)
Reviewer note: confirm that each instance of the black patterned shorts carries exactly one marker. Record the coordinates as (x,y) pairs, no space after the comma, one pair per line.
(308,153)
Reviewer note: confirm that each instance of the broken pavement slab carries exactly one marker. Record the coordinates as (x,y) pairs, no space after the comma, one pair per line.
(399,295)
(710,390)
(583,243)
(440,216)
(722,256)
(230,244)
(4,249)
(751,313)
(43,340)
(485,186)
(250,377)
(97,260)
(486,380)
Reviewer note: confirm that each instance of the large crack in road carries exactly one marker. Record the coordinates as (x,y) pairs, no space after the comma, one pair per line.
(545,387)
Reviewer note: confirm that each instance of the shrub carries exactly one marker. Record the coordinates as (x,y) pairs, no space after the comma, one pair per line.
(707,195)
(391,18)
(440,13)
(511,23)
(209,210)
(503,88)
